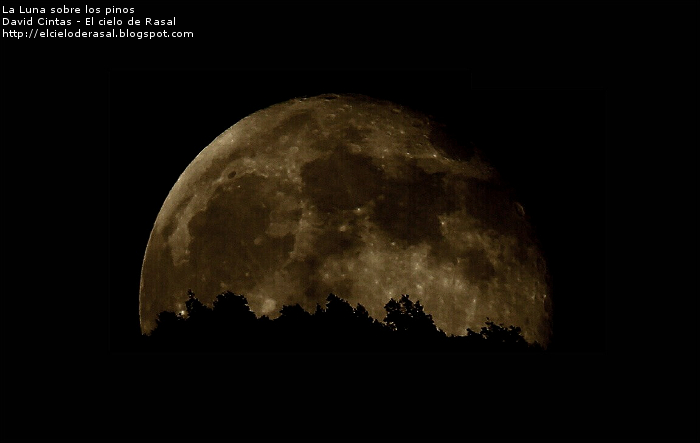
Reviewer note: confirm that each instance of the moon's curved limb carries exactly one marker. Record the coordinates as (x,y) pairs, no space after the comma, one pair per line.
(346,194)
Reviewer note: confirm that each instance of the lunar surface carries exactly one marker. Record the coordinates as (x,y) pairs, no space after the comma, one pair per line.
(348,195)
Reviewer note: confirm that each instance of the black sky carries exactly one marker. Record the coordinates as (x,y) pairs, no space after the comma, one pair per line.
(613,197)
(547,144)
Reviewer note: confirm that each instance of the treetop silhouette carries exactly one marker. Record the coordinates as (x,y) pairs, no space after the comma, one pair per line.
(230,325)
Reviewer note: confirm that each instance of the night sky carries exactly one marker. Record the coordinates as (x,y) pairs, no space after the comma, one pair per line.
(544,144)
(587,109)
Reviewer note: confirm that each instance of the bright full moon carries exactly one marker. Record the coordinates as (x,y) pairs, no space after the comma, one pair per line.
(348,195)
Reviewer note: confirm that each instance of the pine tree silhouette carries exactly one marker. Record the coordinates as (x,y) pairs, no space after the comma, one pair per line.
(413,327)
(230,325)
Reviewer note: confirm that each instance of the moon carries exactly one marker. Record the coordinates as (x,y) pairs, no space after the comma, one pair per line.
(346,194)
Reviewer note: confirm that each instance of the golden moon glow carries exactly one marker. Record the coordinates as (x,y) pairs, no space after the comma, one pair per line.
(350,195)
